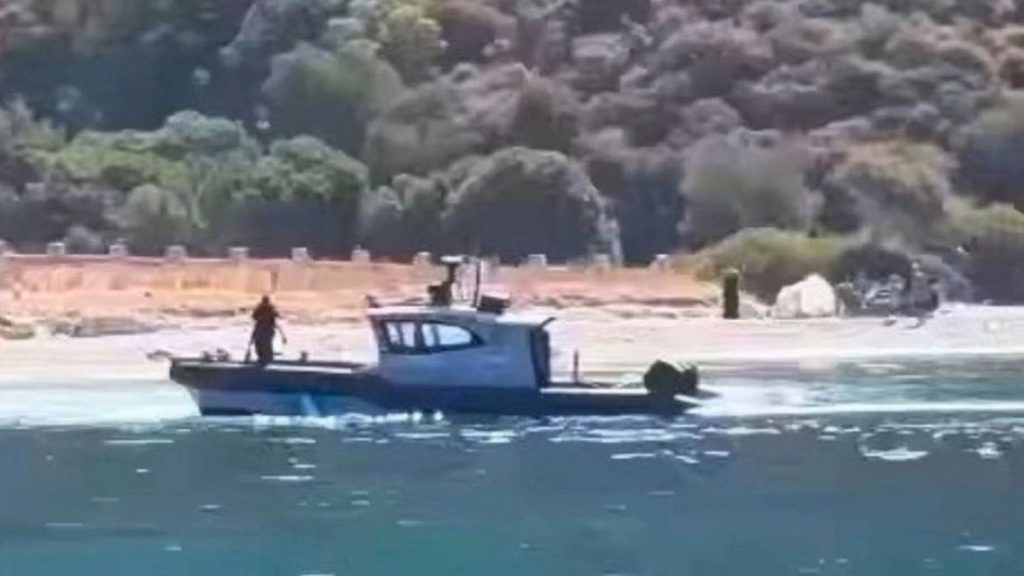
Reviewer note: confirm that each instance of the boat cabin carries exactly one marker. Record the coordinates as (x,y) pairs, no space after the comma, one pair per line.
(461,347)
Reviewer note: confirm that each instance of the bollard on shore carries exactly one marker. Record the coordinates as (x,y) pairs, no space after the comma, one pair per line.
(56,250)
(175,253)
(301,255)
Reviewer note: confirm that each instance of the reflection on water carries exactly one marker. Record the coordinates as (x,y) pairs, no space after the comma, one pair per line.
(774,482)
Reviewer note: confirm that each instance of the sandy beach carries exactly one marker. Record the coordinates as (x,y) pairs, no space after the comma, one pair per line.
(619,321)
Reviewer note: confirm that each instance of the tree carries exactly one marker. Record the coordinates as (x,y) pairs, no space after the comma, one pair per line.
(410,41)
(463,113)
(899,188)
(191,133)
(731,184)
(304,193)
(769,259)
(405,218)
(989,156)
(521,201)
(330,95)
(153,218)
(992,241)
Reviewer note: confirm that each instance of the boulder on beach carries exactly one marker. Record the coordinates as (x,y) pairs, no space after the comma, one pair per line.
(11,330)
(94,327)
(813,297)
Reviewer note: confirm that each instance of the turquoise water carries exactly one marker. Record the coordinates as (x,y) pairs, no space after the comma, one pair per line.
(878,469)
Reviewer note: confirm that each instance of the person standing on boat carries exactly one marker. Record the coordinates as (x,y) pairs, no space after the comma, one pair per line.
(265,327)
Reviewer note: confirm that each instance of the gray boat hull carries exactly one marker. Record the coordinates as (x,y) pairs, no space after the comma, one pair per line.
(324,389)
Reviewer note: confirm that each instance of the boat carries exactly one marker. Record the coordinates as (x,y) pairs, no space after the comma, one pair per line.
(438,356)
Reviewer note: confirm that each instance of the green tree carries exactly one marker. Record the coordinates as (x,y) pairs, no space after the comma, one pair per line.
(153,218)
(304,193)
(899,188)
(411,41)
(330,95)
(730,184)
(989,156)
(521,201)
(405,218)
(992,243)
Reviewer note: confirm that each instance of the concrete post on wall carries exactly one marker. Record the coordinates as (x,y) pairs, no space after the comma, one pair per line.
(300,255)
(120,276)
(423,260)
(240,277)
(118,251)
(56,250)
(298,273)
(601,263)
(175,253)
(537,261)
(238,254)
(661,263)
(360,256)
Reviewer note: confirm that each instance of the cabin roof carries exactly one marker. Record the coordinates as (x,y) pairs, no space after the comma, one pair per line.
(456,314)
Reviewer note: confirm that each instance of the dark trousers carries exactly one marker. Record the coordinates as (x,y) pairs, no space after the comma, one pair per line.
(264,344)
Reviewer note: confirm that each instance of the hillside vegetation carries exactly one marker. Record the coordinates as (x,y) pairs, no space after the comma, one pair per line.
(784,136)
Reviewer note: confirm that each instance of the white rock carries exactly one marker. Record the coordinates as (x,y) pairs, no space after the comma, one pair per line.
(813,297)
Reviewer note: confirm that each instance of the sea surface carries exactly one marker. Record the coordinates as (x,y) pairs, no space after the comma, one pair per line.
(878,468)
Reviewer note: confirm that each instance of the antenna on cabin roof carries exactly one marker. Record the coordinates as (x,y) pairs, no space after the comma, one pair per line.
(477,280)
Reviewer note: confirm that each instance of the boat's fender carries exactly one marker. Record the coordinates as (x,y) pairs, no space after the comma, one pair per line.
(670,379)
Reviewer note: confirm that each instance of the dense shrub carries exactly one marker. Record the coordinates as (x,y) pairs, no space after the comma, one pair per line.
(468,28)
(464,113)
(305,193)
(714,57)
(989,157)
(404,219)
(769,259)
(152,219)
(546,117)
(521,201)
(731,184)
(642,187)
(796,40)
(607,15)
(899,189)
(992,241)
(331,95)
(274,26)
(872,261)
(410,41)
(813,94)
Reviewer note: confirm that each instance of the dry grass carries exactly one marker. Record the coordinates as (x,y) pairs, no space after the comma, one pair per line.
(316,291)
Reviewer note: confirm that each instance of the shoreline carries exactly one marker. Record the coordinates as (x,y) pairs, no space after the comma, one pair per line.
(618,319)
(608,342)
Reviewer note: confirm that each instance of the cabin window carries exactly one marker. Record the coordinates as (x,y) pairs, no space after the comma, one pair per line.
(427,337)
(430,338)
(394,337)
(449,336)
(408,330)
